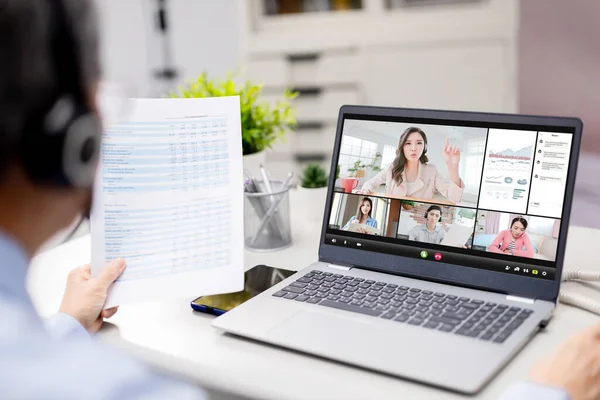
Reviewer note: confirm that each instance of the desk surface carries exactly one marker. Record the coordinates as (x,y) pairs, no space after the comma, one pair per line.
(172,336)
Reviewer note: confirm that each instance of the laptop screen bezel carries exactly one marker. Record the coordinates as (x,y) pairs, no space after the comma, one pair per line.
(500,282)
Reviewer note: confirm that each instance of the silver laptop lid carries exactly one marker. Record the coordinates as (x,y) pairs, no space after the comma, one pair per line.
(475,199)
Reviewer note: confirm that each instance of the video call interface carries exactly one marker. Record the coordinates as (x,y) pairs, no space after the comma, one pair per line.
(447,189)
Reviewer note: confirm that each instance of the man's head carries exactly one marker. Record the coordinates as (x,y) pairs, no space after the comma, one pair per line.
(35,201)
(433,215)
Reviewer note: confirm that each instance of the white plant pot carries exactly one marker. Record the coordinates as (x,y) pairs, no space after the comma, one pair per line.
(311,203)
(253,161)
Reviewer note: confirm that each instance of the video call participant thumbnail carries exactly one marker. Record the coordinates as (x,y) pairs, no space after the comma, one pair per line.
(430,231)
(411,174)
(363,216)
(513,241)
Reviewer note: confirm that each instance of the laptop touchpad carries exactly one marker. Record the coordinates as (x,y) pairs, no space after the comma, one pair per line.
(323,332)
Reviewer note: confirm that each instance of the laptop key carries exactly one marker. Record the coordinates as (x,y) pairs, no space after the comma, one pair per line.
(502,336)
(314,300)
(294,289)
(453,315)
(431,325)
(290,296)
(302,297)
(486,336)
(350,307)
(445,321)
(388,315)
(470,306)
(281,293)
(446,328)
(468,333)
(415,321)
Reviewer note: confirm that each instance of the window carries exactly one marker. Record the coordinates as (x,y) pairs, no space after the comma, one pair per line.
(354,149)
(475,151)
(388,156)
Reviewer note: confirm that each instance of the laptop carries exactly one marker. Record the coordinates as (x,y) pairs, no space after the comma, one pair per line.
(445,315)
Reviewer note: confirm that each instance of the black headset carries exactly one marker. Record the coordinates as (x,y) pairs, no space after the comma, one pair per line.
(434,208)
(61,141)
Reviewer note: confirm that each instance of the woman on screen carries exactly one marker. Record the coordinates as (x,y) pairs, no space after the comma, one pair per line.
(410,175)
(513,241)
(363,216)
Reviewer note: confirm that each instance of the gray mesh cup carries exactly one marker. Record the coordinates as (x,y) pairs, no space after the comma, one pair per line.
(267,218)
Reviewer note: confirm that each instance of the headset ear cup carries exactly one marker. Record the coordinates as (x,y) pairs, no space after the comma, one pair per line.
(81,150)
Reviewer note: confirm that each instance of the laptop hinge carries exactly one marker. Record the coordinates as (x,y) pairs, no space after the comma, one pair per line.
(343,268)
(520,299)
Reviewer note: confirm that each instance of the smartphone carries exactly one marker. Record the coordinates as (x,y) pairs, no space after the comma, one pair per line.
(256,280)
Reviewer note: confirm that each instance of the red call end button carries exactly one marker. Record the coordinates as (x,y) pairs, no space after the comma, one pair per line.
(437,256)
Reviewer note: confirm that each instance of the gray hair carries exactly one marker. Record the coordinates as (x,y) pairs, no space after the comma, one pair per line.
(28,79)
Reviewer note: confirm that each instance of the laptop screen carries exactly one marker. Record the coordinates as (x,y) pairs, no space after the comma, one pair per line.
(482,195)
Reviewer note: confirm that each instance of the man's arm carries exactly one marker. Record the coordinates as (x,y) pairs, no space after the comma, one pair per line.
(62,326)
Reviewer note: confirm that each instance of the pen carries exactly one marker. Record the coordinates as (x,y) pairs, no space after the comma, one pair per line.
(273,210)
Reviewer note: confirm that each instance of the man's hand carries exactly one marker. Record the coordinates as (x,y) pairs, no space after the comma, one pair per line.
(85,296)
(574,366)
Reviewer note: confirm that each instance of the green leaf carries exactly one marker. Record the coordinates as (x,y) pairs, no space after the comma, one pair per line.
(263,124)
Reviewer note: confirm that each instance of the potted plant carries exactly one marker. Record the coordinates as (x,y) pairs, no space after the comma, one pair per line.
(313,191)
(408,205)
(358,169)
(373,165)
(263,124)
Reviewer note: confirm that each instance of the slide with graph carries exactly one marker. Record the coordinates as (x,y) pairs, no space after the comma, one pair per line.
(507,170)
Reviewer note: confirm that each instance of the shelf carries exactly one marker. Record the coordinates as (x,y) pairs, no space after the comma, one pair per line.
(280,7)
(396,4)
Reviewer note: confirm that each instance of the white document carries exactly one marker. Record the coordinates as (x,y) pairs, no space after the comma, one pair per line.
(457,235)
(353,227)
(169,200)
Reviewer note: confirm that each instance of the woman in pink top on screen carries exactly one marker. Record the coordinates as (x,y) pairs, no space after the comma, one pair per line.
(410,175)
(511,241)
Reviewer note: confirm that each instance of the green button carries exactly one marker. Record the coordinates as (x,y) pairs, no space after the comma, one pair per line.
(424,254)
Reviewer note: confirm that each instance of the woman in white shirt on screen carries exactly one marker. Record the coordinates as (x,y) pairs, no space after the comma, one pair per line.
(411,175)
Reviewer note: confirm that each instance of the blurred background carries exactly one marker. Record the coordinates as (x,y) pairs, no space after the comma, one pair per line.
(528,56)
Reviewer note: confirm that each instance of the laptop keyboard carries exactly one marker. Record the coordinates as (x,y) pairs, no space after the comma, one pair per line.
(433,310)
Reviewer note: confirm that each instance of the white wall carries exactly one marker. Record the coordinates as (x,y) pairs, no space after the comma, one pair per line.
(205,35)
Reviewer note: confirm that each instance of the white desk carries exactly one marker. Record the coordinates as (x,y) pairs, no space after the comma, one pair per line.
(173,336)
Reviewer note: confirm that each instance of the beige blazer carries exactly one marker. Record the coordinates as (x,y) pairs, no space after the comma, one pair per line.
(427,183)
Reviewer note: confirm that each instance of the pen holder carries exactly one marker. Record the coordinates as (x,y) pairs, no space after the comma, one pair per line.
(267,218)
